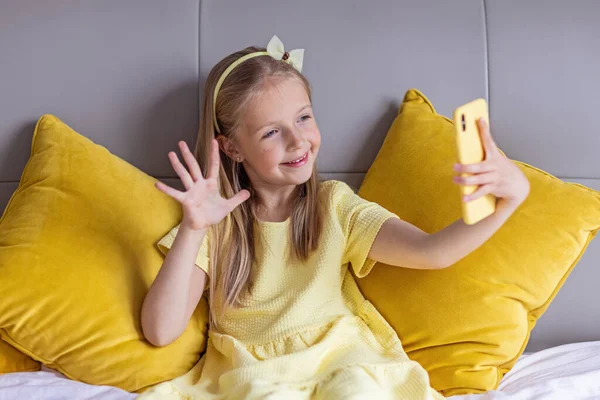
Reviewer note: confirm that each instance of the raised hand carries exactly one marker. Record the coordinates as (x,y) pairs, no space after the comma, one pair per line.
(202,203)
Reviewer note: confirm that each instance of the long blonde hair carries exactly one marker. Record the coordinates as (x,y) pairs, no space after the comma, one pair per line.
(232,241)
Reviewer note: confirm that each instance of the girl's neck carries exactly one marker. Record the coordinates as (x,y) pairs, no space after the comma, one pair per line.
(275,205)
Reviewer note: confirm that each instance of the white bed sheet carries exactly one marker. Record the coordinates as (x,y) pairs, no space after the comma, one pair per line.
(51,385)
(567,372)
(570,372)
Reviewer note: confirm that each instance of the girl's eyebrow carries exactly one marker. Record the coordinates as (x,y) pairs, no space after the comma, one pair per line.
(306,106)
(272,122)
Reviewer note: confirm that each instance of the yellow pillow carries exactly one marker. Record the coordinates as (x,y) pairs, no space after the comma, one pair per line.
(12,360)
(78,254)
(468,324)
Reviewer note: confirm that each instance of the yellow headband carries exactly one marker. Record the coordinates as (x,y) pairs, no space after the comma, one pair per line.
(274,49)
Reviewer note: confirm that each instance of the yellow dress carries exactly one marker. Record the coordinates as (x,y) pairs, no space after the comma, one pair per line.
(306,332)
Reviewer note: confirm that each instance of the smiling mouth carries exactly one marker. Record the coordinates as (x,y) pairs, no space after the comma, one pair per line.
(304,157)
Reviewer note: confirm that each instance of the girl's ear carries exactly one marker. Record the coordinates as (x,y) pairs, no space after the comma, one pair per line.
(228,147)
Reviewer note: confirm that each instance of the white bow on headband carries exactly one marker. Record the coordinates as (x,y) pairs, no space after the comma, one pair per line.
(276,50)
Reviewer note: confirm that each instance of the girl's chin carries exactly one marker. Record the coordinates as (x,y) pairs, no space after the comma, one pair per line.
(297,177)
(301,178)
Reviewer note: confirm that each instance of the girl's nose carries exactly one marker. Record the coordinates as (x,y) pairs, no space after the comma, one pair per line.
(296,138)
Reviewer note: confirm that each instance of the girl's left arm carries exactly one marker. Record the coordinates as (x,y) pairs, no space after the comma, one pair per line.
(402,244)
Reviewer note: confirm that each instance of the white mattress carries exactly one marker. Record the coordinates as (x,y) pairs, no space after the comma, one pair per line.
(570,371)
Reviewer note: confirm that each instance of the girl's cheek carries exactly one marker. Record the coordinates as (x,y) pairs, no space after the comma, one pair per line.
(269,156)
(316,137)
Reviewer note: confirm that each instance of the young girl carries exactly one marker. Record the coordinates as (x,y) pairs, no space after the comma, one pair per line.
(274,245)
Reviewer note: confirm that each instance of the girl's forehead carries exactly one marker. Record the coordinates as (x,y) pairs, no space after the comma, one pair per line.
(281,91)
(277,100)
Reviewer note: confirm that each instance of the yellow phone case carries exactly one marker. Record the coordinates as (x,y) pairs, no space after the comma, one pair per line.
(470,150)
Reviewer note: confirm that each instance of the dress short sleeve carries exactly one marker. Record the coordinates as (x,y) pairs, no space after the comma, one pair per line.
(202,258)
(360,220)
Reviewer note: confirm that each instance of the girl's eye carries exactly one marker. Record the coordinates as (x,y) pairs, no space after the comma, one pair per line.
(273,131)
(269,134)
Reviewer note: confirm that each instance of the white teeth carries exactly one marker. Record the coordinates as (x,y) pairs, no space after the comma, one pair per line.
(296,161)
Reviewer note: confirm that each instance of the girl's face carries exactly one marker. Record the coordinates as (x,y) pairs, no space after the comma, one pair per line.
(278,140)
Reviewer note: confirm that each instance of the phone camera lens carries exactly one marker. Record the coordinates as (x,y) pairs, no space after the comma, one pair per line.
(464,125)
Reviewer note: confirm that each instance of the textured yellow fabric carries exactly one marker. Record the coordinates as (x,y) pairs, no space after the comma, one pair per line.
(468,324)
(12,360)
(306,332)
(77,257)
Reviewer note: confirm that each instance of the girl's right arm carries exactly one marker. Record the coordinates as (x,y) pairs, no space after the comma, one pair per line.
(176,291)
(179,285)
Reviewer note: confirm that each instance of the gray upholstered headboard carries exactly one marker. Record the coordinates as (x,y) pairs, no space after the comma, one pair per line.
(128,73)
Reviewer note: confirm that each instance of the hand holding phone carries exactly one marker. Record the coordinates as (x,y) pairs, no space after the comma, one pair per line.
(470,150)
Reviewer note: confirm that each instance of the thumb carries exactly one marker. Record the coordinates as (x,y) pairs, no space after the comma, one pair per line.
(238,199)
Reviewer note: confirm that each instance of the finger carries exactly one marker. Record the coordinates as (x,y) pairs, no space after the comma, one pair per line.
(238,199)
(183,174)
(481,191)
(476,168)
(191,161)
(168,190)
(478,179)
(486,137)
(215,161)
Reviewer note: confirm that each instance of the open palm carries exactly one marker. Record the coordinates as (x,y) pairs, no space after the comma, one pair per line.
(202,203)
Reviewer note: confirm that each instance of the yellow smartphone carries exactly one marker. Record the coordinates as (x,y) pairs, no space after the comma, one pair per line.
(470,151)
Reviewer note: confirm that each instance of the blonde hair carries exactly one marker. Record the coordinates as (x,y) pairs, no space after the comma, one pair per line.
(232,241)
